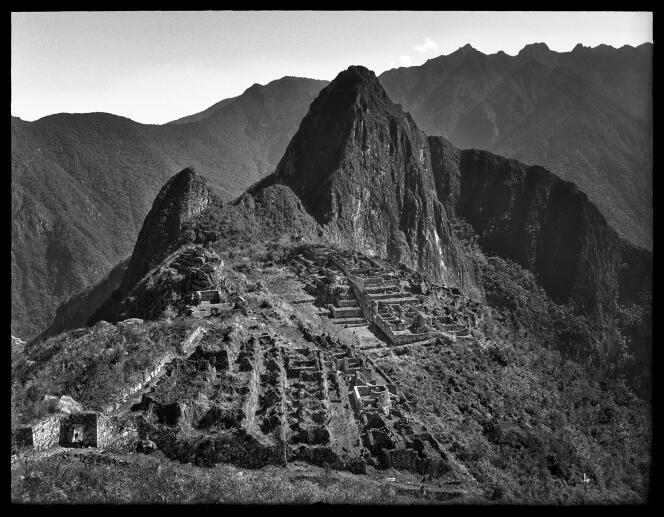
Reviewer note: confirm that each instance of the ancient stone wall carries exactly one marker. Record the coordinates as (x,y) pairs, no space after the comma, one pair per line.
(190,342)
(46,432)
(144,378)
(251,401)
(117,433)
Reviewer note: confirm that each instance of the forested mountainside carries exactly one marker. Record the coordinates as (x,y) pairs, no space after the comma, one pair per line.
(82,184)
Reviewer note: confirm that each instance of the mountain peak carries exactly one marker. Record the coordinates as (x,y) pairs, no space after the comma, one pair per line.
(534,48)
(362,169)
(356,83)
(465,50)
(353,95)
(186,174)
(358,71)
(183,197)
(538,52)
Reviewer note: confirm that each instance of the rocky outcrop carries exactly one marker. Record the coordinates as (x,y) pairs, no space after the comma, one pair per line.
(180,201)
(362,169)
(166,287)
(182,198)
(17,346)
(64,404)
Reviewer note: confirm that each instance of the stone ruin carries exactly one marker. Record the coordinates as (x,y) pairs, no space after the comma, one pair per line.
(201,266)
(268,400)
(358,290)
(209,293)
(84,429)
(256,399)
(332,290)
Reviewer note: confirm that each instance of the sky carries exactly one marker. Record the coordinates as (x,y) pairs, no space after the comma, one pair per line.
(156,66)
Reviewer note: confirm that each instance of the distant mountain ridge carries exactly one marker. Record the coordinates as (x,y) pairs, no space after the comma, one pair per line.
(586,115)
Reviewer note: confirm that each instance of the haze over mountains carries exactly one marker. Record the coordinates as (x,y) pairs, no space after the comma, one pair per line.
(82,184)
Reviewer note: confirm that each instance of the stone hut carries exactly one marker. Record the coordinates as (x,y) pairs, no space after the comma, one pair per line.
(79,430)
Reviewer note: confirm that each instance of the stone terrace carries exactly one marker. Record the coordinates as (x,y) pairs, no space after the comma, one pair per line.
(359,291)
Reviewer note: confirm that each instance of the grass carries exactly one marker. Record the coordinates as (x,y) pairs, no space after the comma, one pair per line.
(57,479)
(91,365)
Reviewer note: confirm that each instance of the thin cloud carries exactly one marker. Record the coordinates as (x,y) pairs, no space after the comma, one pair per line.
(405,60)
(428,44)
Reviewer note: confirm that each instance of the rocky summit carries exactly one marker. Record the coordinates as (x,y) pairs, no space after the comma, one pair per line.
(363,170)
(182,198)
(385,316)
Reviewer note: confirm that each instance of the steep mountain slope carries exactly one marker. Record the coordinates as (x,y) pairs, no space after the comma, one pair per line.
(181,199)
(75,312)
(82,184)
(529,215)
(376,184)
(586,115)
(184,213)
(362,168)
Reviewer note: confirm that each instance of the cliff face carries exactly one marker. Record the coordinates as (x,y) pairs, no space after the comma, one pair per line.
(181,199)
(362,168)
(545,224)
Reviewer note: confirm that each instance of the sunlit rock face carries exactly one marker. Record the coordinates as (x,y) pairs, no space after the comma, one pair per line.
(363,170)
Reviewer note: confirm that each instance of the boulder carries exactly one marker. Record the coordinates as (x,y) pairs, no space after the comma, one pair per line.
(66,404)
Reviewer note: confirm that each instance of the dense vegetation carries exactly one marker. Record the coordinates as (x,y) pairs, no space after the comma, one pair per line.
(82,184)
(538,405)
(157,480)
(91,365)
(528,423)
(611,350)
